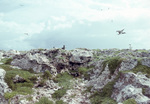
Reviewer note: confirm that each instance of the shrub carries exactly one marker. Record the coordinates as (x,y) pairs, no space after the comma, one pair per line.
(113,63)
(129,101)
(42,83)
(19,90)
(63,79)
(102,100)
(29,98)
(60,102)
(59,93)
(99,97)
(44,100)
(7,61)
(47,75)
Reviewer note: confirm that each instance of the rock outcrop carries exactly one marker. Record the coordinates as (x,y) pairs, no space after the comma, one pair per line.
(99,68)
(3,86)
(131,85)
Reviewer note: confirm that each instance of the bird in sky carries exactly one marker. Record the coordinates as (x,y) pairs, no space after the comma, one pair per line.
(121,32)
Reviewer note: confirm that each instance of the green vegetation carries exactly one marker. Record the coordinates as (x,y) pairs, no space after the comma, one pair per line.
(102,100)
(64,81)
(23,87)
(47,75)
(104,95)
(129,101)
(60,102)
(113,63)
(140,68)
(29,98)
(59,93)
(19,90)
(7,61)
(143,91)
(44,100)
(41,49)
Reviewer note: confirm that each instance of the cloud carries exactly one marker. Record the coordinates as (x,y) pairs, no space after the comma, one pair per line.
(76,23)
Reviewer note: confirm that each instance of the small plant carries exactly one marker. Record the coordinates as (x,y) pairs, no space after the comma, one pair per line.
(63,80)
(59,93)
(60,102)
(44,100)
(104,95)
(113,63)
(42,83)
(47,75)
(7,61)
(29,98)
(41,49)
(129,101)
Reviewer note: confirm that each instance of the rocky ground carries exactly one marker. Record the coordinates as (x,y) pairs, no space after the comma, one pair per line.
(79,76)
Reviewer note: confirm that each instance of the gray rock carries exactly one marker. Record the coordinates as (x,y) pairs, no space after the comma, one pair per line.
(3,87)
(81,56)
(130,85)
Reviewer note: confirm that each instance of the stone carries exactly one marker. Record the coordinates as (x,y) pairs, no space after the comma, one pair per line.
(81,56)
(18,79)
(130,85)
(3,86)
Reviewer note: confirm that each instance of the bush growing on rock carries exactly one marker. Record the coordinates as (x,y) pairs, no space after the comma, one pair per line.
(63,79)
(104,95)
(44,100)
(129,101)
(47,75)
(7,61)
(60,102)
(113,63)
(20,87)
(59,93)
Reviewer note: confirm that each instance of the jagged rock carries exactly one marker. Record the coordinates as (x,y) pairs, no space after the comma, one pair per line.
(146,62)
(3,86)
(37,62)
(130,85)
(81,56)
(11,53)
(18,79)
(101,78)
(128,64)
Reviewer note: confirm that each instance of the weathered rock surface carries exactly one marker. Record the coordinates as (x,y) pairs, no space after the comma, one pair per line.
(130,85)
(3,86)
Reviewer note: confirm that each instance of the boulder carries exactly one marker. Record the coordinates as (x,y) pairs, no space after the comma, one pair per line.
(37,62)
(18,79)
(146,62)
(81,56)
(131,85)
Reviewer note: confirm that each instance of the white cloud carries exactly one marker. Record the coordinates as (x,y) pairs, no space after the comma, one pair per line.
(77,18)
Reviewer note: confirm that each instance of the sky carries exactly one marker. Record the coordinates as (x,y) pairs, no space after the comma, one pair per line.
(92,24)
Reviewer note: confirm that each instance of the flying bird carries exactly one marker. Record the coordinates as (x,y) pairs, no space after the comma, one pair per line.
(121,32)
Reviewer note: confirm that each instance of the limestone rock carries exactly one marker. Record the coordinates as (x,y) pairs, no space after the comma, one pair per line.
(130,85)
(3,86)
(18,79)
(81,56)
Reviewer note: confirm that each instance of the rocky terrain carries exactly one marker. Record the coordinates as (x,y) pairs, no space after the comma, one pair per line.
(79,76)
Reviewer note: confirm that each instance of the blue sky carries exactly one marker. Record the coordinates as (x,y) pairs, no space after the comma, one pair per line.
(74,23)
